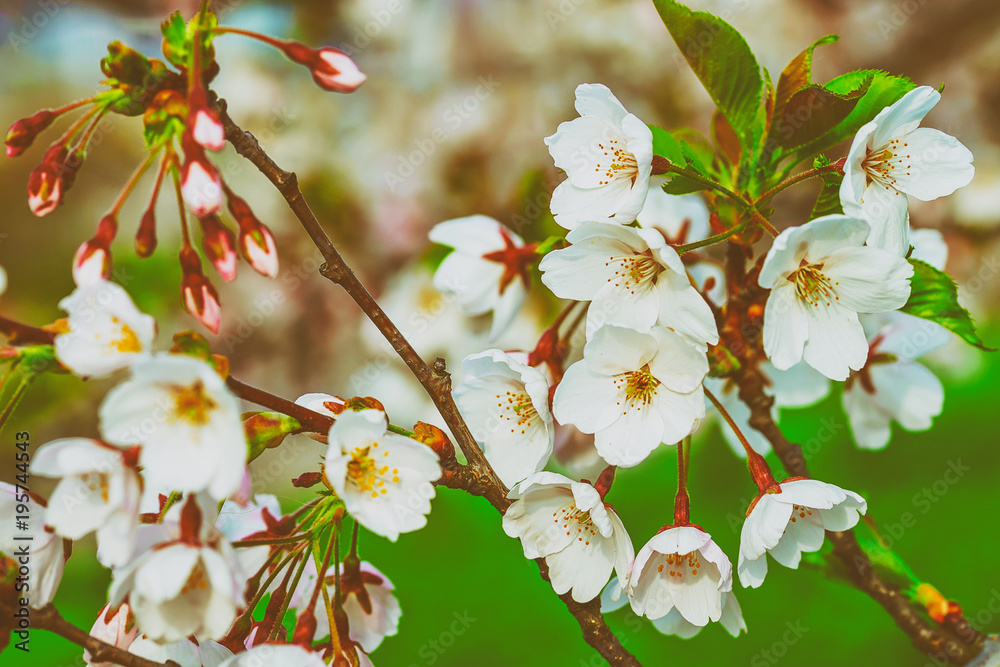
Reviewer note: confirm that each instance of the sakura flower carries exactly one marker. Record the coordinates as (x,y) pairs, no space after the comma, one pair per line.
(106,332)
(633,391)
(190,585)
(117,629)
(790,518)
(489,269)
(99,490)
(385,479)
(893,386)
(506,404)
(45,549)
(180,411)
(821,276)
(681,580)
(568,524)
(890,158)
(607,154)
(372,609)
(286,655)
(633,278)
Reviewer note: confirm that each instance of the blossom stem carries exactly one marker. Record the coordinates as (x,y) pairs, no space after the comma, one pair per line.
(99,112)
(295,583)
(661,165)
(267,39)
(267,541)
(759,469)
(77,124)
(132,182)
(682,502)
(76,105)
(711,240)
(175,173)
(798,178)
(293,554)
(763,222)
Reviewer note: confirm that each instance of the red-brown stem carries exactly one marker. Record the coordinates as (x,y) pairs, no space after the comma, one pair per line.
(267,39)
(175,173)
(312,421)
(131,183)
(788,182)
(682,502)
(23,334)
(759,470)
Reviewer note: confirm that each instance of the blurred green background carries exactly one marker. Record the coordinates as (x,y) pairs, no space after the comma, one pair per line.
(378,181)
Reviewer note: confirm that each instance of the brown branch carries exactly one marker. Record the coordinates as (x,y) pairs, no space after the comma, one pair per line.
(48,618)
(311,421)
(477,476)
(957,648)
(22,334)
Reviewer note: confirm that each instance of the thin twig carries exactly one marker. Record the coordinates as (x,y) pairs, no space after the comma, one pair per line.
(477,476)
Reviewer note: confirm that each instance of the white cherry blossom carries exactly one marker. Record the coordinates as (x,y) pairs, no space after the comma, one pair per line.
(506,405)
(188,584)
(99,490)
(633,391)
(187,421)
(568,524)
(892,157)
(607,154)
(385,479)
(681,580)
(488,270)
(821,276)
(42,548)
(116,629)
(633,279)
(791,518)
(106,332)
(366,587)
(893,386)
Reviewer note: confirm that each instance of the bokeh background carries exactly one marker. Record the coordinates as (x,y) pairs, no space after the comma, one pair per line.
(450,123)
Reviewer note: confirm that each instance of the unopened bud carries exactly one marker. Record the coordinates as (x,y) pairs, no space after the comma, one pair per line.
(219,244)
(200,297)
(434,438)
(201,186)
(22,133)
(145,236)
(331,68)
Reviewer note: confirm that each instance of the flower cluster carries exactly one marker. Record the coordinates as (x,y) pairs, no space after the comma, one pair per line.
(658,331)
(182,128)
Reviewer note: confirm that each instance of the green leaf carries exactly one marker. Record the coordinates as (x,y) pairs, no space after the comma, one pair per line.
(934,297)
(175,42)
(882,90)
(681,185)
(667,145)
(812,112)
(828,200)
(721,58)
(126,65)
(798,73)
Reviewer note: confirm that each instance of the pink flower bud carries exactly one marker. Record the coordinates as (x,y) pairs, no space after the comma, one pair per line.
(200,182)
(206,129)
(200,297)
(50,180)
(92,262)
(219,244)
(256,241)
(22,133)
(331,68)
(145,236)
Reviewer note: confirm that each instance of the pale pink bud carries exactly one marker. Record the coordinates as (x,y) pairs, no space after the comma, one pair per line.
(200,297)
(334,70)
(259,250)
(219,244)
(207,130)
(201,187)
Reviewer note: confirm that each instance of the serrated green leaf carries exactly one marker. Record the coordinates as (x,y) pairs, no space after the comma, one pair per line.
(721,58)
(681,185)
(798,73)
(828,199)
(812,112)
(667,145)
(934,297)
(883,90)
